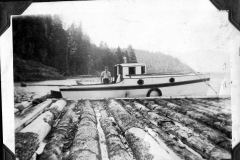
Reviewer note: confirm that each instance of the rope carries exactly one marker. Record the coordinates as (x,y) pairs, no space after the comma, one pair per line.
(205,81)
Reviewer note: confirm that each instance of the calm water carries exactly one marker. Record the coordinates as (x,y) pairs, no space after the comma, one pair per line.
(220,83)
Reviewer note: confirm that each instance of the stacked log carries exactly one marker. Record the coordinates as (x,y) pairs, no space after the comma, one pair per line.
(63,135)
(179,149)
(142,144)
(189,137)
(39,128)
(85,144)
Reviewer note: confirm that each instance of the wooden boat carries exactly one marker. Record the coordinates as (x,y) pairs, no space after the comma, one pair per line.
(131,80)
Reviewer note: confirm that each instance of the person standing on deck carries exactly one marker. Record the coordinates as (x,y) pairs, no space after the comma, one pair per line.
(106,76)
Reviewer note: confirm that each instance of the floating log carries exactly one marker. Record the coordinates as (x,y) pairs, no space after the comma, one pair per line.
(193,140)
(176,127)
(116,148)
(39,99)
(25,145)
(210,105)
(144,146)
(214,136)
(21,120)
(208,108)
(23,105)
(63,136)
(225,103)
(211,134)
(41,125)
(85,145)
(16,110)
(172,145)
(57,107)
(102,139)
(31,136)
(124,119)
(213,120)
(141,107)
(141,143)
(215,117)
(41,148)
(208,102)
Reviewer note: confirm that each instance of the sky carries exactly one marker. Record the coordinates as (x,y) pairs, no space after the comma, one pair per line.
(193,31)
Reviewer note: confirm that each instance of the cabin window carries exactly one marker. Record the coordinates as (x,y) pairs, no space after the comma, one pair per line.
(143,69)
(132,70)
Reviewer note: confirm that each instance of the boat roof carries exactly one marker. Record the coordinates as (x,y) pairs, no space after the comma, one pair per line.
(131,64)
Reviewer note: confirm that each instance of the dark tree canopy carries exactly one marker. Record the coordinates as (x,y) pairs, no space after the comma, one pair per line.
(43,39)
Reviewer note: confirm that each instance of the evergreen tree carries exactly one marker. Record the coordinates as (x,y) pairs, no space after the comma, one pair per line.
(131,55)
(119,56)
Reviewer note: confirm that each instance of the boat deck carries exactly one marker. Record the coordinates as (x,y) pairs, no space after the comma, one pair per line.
(140,128)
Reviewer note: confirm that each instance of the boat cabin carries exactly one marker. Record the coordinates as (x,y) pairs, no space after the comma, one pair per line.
(126,69)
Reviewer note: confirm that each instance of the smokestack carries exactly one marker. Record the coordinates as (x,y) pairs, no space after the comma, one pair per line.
(124,59)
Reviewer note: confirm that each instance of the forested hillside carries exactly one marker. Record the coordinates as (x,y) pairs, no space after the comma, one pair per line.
(161,63)
(43,40)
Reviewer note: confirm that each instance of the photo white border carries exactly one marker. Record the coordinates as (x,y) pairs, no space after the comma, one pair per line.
(8,94)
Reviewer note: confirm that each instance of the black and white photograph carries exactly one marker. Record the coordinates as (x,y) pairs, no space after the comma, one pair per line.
(123,80)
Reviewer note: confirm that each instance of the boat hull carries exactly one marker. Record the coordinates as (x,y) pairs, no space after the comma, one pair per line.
(184,86)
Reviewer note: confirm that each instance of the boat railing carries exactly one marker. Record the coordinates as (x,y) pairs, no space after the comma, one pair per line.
(152,74)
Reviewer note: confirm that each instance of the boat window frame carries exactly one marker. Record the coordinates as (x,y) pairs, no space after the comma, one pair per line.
(129,71)
(143,70)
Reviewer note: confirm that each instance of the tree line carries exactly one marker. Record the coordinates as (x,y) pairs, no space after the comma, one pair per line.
(158,62)
(42,38)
